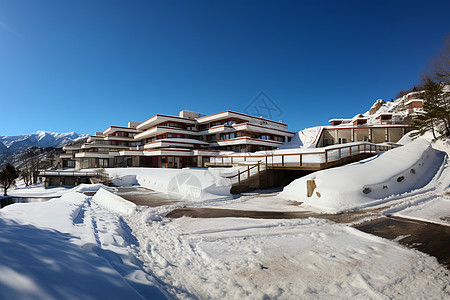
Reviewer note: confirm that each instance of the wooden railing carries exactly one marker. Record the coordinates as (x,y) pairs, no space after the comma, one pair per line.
(102,176)
(329,154)
(68,173)
(240,175)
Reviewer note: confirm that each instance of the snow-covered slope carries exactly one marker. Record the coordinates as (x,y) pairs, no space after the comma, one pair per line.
(368,182)
(306,138)
(42,139)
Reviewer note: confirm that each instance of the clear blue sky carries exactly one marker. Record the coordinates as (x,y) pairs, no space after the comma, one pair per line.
(85,65)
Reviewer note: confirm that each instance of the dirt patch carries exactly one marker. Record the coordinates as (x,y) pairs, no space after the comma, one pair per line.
(205,212)
(200,212)
(426,237)
(151,200)
(141,196)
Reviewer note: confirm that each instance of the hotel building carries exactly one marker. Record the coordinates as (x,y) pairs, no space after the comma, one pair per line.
(186,140)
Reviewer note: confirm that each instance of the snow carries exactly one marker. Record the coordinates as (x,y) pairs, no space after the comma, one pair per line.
(63,249)
(186,184)
(233,258)
(434,211)
(306,138)
(38,190)
(114,203)
(408,138)
(432,203)
(103,247)
(369,182)
(42,139)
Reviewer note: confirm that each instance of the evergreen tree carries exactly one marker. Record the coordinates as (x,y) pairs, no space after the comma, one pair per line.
(8,177)
(436,108)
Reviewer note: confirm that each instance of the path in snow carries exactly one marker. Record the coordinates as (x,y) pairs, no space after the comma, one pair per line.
(231,258)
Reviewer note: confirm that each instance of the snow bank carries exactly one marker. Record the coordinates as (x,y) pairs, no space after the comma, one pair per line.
(38,190)
(59,212)
(114,203)
(68,248)
(181,184)
(306,138)
(367,182)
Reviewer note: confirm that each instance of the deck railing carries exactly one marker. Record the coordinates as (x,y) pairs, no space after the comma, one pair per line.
(258,163)
(68,173)
(245,173)
(325,156)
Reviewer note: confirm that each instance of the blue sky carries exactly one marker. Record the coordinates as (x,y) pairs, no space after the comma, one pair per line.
(85,65)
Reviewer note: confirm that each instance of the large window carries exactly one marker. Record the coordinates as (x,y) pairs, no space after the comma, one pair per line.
(68,163)
(103,162)
(227,136)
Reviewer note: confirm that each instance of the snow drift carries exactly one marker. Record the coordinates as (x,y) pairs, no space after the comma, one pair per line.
(180,184)
(114,203)
(367,182)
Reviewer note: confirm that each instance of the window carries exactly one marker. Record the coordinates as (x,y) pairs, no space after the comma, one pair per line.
(278,138)
(103,162)
(227,136)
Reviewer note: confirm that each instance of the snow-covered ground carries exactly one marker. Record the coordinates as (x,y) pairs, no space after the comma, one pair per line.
(103,247)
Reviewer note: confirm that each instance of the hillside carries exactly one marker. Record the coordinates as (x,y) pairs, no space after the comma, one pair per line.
(401,114)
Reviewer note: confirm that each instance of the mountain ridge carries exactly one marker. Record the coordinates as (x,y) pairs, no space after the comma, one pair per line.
(14,143)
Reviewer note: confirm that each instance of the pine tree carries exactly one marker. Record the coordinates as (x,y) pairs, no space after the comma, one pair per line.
(8,177)
(436,108)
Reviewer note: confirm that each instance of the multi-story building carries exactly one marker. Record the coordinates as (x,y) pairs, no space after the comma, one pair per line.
(164,141)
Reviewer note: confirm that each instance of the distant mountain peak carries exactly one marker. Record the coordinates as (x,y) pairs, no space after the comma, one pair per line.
(42,139)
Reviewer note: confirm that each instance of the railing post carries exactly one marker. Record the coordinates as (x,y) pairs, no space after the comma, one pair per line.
(222,160)
(301,160)
(326,157)
(364,148)
(239,178)
(266,160)
(248,172)
(282,160)
(359,150)
(232,160)
(339,153)
(350,151)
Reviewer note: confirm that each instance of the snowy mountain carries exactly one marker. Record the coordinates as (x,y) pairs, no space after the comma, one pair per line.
(14,147)
(42,139)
